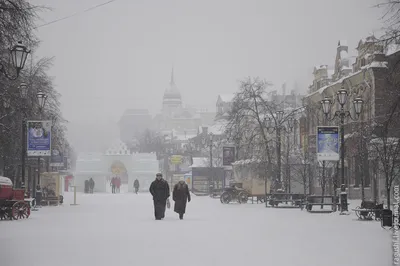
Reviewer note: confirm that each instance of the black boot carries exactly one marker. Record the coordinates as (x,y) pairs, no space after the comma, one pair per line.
(181,216)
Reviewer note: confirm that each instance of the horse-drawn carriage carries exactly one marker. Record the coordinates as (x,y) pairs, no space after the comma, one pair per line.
(12,201)
(251,182)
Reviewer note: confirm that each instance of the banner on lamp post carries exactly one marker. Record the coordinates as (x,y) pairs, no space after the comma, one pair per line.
(228,156)
(38,138)
(327,143)
(57,158)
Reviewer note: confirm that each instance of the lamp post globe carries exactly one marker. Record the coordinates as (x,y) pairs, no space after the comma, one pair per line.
(342,96)
(279,115)
(326,105)
(41,98)
(23,90)
(290,122)
(358,105)
(19,53)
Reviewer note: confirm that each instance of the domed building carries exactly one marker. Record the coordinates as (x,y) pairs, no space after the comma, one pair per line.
(172,100)
(173,115)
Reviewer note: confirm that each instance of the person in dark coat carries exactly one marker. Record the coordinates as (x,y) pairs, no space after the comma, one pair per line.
(181,195)
(136,185)
(159,189)
(91,185)
(112,184)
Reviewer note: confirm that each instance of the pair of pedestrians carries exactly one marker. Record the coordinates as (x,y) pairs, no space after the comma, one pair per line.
(159,189)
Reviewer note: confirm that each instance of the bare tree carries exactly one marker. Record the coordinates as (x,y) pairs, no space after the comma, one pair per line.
(385,147)
(300,170)
(249,111)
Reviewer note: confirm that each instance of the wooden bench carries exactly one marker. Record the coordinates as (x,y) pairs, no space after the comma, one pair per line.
(318,200)
(274,199)
(369,210)
(51,200)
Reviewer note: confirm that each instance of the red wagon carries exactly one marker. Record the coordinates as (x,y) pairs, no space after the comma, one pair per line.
(12,201)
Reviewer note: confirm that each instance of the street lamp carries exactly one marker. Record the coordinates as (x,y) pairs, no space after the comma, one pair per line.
(41,99)
(326,103)
(23,90)
(278,125)
(18,55)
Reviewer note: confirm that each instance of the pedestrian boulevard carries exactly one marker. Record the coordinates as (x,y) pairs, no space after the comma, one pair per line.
(119,229)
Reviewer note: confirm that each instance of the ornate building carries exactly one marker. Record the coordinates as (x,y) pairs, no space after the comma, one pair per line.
(173,114)
(172,100)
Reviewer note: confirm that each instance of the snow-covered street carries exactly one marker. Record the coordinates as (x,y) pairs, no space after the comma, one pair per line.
(119,229)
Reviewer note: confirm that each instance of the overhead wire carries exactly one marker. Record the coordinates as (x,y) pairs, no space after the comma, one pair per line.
(75,14)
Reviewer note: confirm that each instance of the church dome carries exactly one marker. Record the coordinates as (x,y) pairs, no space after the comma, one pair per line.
(172,94)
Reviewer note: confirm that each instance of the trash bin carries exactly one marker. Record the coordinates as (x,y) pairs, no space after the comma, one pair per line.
(387,218)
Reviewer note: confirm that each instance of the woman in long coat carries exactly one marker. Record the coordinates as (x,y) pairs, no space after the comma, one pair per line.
(181,195)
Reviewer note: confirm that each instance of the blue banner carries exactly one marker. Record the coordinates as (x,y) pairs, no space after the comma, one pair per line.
(57,158)
(328,143)
(38,138)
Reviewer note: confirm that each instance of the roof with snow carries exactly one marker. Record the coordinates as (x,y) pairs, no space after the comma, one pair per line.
(5,181)
(392,48)
(226,98)
(118,147)
(203,162)
(342,43)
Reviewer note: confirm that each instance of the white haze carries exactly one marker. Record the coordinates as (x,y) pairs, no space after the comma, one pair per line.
(120,56)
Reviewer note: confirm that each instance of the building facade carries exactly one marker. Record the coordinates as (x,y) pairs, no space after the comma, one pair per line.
(368,78)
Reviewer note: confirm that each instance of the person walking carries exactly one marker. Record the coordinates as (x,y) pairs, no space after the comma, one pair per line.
(181,196)
(112,184)
(159,189)
(136,185)
(91,185)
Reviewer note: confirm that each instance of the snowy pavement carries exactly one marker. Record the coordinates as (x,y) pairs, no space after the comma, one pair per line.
(120,229)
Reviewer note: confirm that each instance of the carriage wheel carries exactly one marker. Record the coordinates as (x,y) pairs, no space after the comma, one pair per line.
(225,198)
(20,210)
(243,197)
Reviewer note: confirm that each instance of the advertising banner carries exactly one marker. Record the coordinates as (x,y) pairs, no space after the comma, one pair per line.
(38,138)
(57,158)
(228,156)
(327,143)
(176,159)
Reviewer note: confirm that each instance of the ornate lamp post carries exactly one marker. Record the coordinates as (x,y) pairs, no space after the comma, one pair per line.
(277,124)
(18,55)
(41,97)
(210,144)
(326,103)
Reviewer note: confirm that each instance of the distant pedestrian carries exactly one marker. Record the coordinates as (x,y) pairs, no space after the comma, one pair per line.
(136,185)
(112,184)
(159,189)
(181,196)
(118,184)
(91,185)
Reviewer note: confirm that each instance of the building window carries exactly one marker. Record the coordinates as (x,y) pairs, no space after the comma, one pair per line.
(362,62)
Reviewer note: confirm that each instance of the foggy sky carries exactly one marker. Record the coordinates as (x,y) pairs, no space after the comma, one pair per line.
(120,56)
